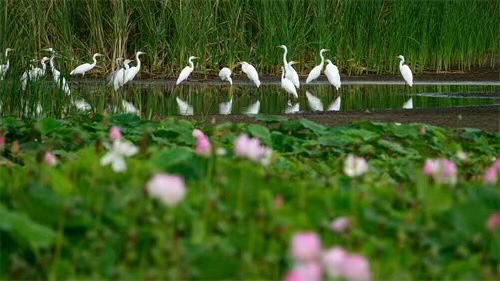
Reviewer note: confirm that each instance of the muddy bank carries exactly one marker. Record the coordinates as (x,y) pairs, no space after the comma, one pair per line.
(481,117)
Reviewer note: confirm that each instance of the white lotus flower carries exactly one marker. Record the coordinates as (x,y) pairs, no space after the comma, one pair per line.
(355,166)
(116,156)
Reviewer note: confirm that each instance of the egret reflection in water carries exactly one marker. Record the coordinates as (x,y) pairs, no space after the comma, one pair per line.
(408,104)
(161,99)
(253,108)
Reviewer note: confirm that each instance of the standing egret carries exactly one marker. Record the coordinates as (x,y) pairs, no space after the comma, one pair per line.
(186,71)
(332,73)
(134,70)
(316,71)
(5,67)
(119,78)
(34,73)
(225,75)
(111,77)
(405,71)
(287,84)
(251,72)
(81,69)
(60,81)
(290,73)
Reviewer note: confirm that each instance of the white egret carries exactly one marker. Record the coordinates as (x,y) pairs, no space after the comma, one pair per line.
(314,102)
(253,108)
(333,75)
(225,75)
(405,71)
(60,81)
(81,104)
(120,75)
(186,71)
(129,107)
(5,67)
(290,73)
(111,77)
(24,77)
(408,104)
(34,74)
(134,70)
(225,107)
(287,84)
(184,107)
(335,106)
(292,108)
(316,71)
(81,69)
(251,72)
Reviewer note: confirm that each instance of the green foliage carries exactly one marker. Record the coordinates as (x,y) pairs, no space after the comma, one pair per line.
(363,36)
(79,220)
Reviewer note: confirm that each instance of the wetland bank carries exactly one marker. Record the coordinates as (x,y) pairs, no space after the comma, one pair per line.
(209,180)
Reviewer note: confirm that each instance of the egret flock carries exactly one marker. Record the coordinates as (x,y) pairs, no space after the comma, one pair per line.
(290,81)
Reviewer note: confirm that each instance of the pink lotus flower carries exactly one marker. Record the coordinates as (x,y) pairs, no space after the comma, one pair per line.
(114,133)
(203,146)
(293,276)
(250,148)
(306,246)
(422,131)
(14,147)
(430,167)
(493,222)
(341,224)
(168,189)
(2,141)
(309,271)
(50,159)
(355,166)
(490,176)
(443,171)
(278,201)
(355,268)
(332,261)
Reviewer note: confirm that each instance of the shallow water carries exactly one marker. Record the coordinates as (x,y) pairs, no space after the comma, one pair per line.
(156,99)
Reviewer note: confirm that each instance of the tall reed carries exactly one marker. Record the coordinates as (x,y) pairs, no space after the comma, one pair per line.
(363,36)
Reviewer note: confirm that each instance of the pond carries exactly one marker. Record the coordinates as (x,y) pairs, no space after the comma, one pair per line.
(157,99)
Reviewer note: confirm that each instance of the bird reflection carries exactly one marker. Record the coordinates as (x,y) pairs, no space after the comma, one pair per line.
(184,107)
(253,108)
(225,107)
(335,106)
(314,103)
(291,108)
(408,104)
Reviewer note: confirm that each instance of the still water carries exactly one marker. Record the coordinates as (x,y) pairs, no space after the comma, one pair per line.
(156,99)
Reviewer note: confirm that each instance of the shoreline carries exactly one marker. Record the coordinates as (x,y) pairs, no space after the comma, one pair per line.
(480,117)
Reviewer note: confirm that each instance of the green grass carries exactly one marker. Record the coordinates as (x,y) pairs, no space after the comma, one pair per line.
(79,220)
(363,36)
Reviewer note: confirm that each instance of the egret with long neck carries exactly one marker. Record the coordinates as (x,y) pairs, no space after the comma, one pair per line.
(290,72)
(5,67)
(134,70)
(82,69)
(316,71)
(186,71)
